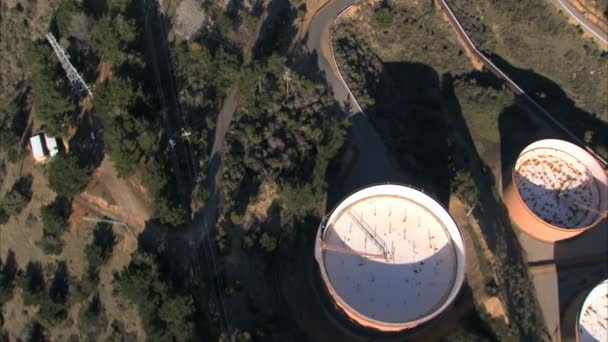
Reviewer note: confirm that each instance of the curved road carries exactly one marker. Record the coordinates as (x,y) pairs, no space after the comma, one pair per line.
(373,163)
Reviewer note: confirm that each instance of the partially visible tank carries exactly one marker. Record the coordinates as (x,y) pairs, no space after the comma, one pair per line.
(390,257)
(558,191)
(592,323)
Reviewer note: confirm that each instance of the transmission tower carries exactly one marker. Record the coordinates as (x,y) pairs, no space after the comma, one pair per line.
(76,81)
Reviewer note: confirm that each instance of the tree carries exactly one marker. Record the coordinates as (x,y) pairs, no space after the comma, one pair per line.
(165,314)
(66,176)
(63,16)
(100,250)
(268,242)
(464,187)
(55,216)
(19,196)
(13,203)
(93,311)
(51,95)
(112,38)
(8,274)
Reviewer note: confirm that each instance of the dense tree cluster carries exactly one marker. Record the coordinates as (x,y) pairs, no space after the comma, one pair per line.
(165,314)
(51,94)
(51,299)
(286,131)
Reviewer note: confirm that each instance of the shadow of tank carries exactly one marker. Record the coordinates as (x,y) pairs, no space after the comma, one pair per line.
(390,257)
(557,191)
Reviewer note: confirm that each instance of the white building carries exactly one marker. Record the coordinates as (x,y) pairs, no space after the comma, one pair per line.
(43,147)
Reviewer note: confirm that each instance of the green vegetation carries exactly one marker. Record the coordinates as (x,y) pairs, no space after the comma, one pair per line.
(92,313)
(165,314)
(112,37)
(55,216)
(267,242)
(8,274)
(286,133)
(51,96)
(51,300)
(383,17)
(482,106)
(100,250)
(64,14)
(18,197)
(66,176)
(13,123)
(54,223)
(464,187)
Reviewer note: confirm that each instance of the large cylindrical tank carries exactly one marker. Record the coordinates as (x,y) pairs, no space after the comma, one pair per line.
(390,257)
(558,190)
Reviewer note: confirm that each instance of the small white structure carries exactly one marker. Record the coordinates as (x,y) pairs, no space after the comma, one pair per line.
(391,257)
(43,147)
(593,317)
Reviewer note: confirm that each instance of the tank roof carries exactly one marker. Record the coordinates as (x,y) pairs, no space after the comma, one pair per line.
(593,317)
(393,255)
(561,184)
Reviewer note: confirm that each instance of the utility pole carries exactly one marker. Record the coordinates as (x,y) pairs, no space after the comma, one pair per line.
(76,81)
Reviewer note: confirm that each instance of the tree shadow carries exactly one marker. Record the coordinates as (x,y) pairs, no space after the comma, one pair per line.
(9,270)
(87,143)
(34,276)
(24,186)
(277,31)
(60,287)
(104,237)
(95,8)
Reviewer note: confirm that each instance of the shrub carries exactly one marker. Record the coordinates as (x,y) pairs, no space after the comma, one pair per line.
(383,17)
(50,244)
(464,187)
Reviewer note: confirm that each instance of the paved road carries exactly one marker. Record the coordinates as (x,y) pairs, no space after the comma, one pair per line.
(319,40)
(586,24)
(373,163)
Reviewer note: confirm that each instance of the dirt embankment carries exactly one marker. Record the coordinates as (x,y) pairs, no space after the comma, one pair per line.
(477,253)
(119,199)
(594,14)
(475,60)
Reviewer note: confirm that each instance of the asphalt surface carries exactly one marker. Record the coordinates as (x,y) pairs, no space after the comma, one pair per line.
(319,41)
(587,25)
(373,163)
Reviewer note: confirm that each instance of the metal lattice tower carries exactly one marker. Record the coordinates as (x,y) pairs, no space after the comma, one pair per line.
(75,80)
